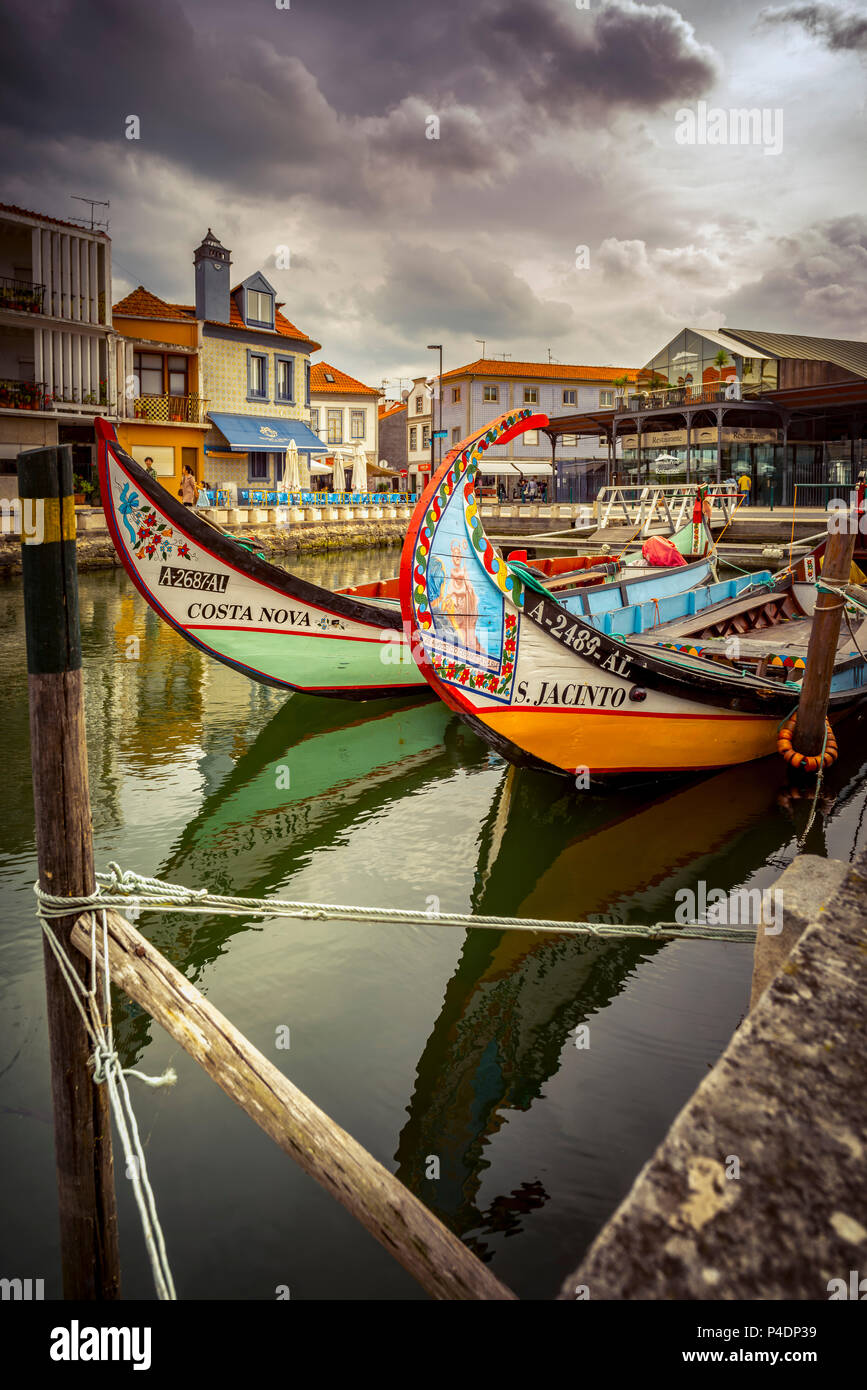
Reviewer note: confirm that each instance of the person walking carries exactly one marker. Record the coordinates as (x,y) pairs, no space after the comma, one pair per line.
(745,482)
(188,490)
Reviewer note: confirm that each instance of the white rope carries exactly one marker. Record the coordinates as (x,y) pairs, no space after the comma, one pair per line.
(107,1069)
(842,591)
(121,889)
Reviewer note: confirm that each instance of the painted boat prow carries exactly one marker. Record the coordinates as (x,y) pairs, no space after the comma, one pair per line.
(240,609)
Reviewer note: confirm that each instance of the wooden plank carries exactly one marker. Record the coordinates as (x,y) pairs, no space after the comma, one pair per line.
(82,1126)
(399,1221)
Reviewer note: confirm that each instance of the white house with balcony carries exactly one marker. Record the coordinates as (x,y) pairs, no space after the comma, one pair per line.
(476,393)
(57,359)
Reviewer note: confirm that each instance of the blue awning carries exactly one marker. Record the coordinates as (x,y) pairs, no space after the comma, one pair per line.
(266,434)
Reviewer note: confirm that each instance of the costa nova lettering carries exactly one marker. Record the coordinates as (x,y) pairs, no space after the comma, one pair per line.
(241,613)
(572,694)
(76,1343)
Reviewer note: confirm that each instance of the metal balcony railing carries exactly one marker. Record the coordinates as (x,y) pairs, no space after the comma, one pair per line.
(22,395)
(670,397)
(170,409)
(24,295)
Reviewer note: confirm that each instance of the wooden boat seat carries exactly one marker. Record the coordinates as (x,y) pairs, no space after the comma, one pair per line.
(739,617)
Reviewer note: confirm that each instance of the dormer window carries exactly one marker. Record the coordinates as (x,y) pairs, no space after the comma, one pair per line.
(260,308)
(329,377)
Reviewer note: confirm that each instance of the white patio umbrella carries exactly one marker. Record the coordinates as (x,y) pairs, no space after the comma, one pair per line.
(293,469)
(359,470)
(339,477)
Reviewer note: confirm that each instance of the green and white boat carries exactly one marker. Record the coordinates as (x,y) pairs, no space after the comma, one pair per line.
(242,610)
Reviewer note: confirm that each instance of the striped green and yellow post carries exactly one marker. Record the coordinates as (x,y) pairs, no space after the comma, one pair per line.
(64,844)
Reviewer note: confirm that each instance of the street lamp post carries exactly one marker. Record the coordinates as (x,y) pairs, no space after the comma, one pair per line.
(437,347)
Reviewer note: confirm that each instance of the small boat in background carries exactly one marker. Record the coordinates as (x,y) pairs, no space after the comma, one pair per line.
(674,682)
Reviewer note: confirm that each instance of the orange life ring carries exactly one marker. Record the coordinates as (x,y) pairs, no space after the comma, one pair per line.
(809,762)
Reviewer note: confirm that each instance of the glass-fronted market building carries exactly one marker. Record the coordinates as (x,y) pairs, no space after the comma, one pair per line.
(786,410)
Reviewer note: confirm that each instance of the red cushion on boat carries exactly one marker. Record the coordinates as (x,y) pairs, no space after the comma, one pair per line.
(657,550)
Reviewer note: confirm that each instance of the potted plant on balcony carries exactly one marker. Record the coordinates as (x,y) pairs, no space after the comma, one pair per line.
(78,489)
(622,384)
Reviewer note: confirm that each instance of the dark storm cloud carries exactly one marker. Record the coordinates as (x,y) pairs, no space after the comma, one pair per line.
(251,106)
(817,279)
(838,28)
(469,291)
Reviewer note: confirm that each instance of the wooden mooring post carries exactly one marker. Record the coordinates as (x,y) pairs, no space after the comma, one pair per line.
(809,733)
(417,1239)
(82,1124)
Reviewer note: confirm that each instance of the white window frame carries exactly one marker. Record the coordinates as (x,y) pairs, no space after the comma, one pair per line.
(255,300)
(333,424)
(357,417)
(531,395)
(490,392)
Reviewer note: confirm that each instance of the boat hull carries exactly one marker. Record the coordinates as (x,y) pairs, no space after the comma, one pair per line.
(555,688)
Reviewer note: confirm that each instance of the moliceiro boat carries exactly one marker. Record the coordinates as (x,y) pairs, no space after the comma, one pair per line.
(273,626)
(672,681)
(238,608)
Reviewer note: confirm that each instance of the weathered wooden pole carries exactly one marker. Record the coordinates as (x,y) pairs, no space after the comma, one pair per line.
(809,732)
(432,1254)
(82,1129)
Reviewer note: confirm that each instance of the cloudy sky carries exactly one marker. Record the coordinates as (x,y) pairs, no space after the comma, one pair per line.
(310,127)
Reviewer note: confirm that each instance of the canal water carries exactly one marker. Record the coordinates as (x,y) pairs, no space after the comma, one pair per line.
(425,1043)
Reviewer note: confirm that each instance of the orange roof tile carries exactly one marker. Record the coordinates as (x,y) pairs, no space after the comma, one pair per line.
(141,304)
(342,385)
(386,410)
(553,371)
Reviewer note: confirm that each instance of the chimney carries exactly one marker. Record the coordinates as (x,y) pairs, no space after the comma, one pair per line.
(213,264)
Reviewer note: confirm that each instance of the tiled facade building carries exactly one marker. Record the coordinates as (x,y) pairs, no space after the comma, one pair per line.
(253,373)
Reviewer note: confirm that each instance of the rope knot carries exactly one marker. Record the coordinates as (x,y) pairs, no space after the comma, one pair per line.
(123,880)
(102,1058)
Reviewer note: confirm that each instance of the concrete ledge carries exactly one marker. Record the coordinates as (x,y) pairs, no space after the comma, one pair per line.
(786,1107)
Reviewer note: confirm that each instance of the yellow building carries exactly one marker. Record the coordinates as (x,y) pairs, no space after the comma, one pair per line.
(165,406)
(223,384)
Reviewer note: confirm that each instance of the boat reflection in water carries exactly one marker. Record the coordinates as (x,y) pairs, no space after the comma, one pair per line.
(515,997)
(253,832)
